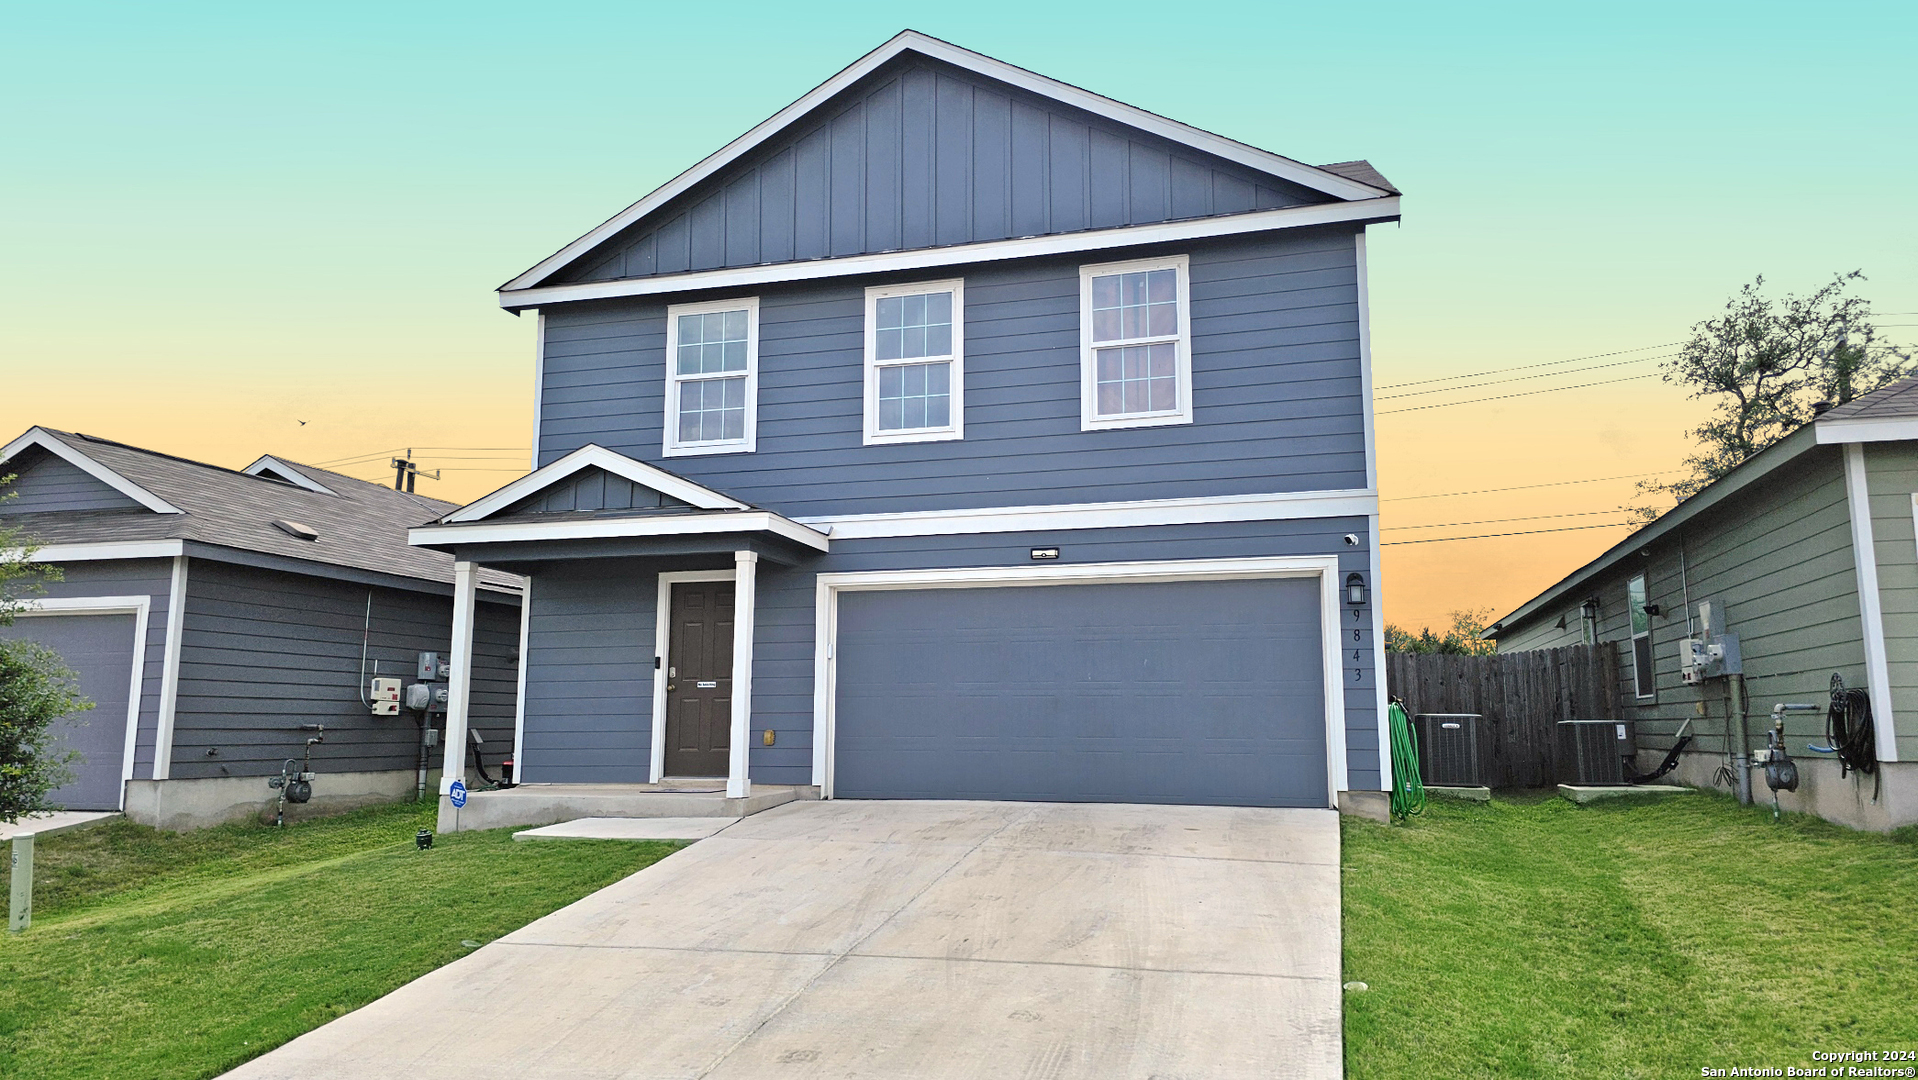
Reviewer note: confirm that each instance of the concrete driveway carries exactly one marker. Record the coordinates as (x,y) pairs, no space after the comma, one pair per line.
(902,939)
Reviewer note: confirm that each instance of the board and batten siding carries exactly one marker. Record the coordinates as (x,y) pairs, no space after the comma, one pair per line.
(153,579)
(591,643)
(1891,471)
(1777,559)
(922,154)
(45,483)
(1277,400)
(265,651)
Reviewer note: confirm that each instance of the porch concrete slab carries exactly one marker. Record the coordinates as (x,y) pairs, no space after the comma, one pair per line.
(54,821)
(608,828)
(752,895)
(1583,795)
(1256,834)
(1154,913)
(929,940)
(1469,794)
(882,1018)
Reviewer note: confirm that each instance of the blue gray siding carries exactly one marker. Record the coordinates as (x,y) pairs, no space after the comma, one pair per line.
(266,651)
(593,490)
(152,578)
(589,675)
(43,483)
(1277,401)
(920,155)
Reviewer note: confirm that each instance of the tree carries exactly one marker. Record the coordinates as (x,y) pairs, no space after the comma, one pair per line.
(36,689)
(1461,640)
(1767,365)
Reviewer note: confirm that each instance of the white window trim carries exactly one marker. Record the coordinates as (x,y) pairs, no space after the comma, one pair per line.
(136,606)
(957,428)
(663,653)
(671,446)
(1633,635)
(1089,420)
(1325,568)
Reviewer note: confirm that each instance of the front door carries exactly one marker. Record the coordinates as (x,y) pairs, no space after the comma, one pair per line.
(699,679)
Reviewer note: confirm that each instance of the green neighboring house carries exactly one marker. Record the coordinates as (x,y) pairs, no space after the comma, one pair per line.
(1809,555)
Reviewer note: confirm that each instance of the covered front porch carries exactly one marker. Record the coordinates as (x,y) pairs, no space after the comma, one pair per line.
(638,641)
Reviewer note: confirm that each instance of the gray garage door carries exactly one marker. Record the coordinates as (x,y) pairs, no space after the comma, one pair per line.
(99,649)
(1176,692)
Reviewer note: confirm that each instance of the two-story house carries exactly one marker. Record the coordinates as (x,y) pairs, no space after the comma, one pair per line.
(954,433)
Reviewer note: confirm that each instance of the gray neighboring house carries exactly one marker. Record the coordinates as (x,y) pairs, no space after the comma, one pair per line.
(206,634)
(1808,553)
(955,433)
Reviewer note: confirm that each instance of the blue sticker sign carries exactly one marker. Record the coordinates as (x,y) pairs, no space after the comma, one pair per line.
(457,793)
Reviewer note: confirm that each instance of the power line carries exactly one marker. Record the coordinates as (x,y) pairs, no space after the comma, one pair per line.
(1504,397)
(1521,487)
(1498,521)
(373,454)
(1492,536)
(1522,378)
(1526,367)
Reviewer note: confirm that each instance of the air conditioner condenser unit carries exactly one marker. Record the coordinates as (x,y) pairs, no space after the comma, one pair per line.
(1452,750)
(1592,753)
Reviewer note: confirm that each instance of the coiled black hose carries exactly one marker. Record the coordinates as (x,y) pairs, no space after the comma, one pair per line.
(1848,729)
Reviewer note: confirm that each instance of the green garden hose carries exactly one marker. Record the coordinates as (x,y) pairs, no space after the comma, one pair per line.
(1408,791)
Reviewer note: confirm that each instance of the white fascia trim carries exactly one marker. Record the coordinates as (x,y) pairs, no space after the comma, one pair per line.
(273,468)
(505,532)
(539,385)
(1283,506)
(170,672)
(1365,362)
(1326,568)
(38,436)
(109,549)
(663,652)
(593,455)
(136,606)
(1871,612)
(1181,412)
(955,361)
(1252,157)
(1890,429)
(1385,208)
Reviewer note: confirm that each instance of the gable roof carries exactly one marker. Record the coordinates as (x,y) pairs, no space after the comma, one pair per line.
(361,525)
(43,439)
(1890,412)
(1346,183)
(274,469)
(594,456)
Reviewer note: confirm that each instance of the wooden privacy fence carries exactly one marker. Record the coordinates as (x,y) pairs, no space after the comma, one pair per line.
(1522,696)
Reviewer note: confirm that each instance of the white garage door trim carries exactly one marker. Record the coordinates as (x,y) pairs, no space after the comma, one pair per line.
(136,606)
(826,626)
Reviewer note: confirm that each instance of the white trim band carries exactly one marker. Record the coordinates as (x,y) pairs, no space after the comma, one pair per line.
(506,532)
(1351,502)
(1871,613)
(110,549)
(1290,217)
(1862,430)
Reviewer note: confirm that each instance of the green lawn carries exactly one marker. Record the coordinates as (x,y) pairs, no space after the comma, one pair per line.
(161,955)
(1535,938)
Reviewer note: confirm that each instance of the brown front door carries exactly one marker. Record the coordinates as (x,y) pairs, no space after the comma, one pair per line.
(699,679)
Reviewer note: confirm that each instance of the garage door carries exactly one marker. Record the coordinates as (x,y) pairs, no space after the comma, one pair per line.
(1173,692)
(99,649)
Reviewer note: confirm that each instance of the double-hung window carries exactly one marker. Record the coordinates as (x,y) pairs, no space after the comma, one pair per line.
(1644,684)
(915,362)
(1135,344)
(712,377)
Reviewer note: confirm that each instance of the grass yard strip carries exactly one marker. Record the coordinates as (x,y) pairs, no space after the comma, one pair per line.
(257,935)
(1533,938)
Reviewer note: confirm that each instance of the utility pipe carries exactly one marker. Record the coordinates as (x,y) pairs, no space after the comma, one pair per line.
(1742,760)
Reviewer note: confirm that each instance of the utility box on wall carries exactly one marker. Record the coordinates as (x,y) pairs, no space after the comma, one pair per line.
(386,697)
(1452,749)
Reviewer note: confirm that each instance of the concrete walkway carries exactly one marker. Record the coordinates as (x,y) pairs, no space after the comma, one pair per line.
(902,939)
(54,821)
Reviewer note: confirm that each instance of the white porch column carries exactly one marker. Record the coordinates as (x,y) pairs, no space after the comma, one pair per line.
(459,687)
(746,563)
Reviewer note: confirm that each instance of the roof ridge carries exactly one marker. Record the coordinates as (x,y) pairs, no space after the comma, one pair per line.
(368,483)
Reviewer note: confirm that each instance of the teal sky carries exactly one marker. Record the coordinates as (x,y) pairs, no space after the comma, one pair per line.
(219,218)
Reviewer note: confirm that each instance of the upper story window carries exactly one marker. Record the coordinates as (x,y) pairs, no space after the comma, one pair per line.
(712,377)
(1135,344)
(915,362)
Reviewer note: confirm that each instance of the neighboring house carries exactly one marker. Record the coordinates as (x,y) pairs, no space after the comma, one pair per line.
(209,614)
(1807,553)
(955,433)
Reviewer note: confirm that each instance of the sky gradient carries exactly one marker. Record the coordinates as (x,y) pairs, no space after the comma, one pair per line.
(219,221)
